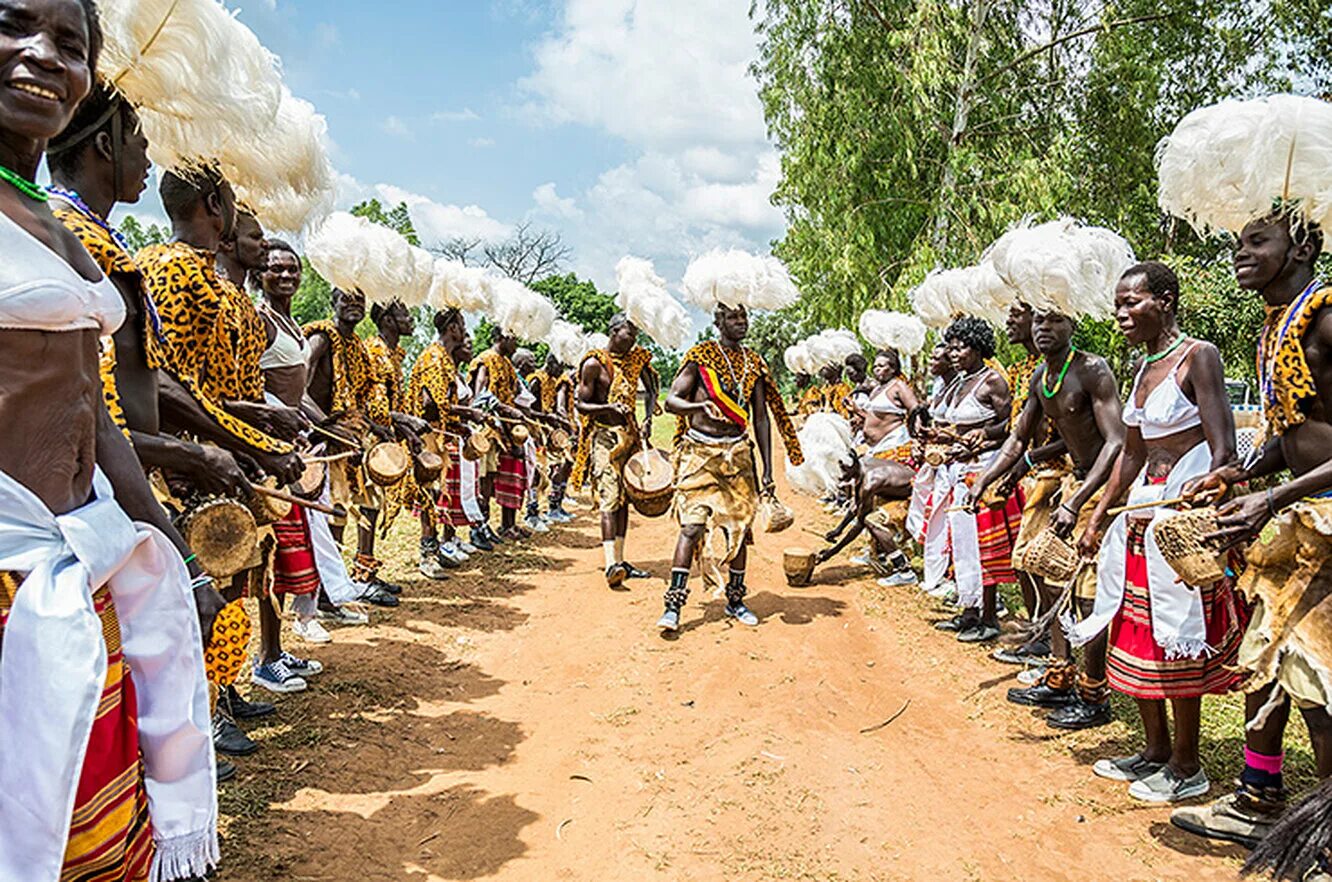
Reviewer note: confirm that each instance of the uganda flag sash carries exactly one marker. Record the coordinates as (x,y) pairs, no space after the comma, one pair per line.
(733,410)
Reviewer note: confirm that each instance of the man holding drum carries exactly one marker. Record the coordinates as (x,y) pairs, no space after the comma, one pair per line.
(553,387)
(607,400)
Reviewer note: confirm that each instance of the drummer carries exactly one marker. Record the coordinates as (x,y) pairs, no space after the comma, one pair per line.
(1076,392)
(339,383)
(607,401)
(524,365)
(553,387)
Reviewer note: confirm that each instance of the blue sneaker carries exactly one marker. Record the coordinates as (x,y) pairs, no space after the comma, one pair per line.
(301,667)
(669,621)
(277,677)
(742,614)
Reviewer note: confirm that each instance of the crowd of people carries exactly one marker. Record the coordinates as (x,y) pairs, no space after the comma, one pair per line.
(183,455)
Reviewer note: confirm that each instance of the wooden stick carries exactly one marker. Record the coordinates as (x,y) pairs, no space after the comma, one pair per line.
(294,500)
(315,460)
(335,436)
(1142,506)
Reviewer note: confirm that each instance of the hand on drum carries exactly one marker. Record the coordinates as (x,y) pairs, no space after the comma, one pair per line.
(1211,487)
(1240,520)
(286,468)
(823,556)
(1063,523)
(284,422)
(219,474)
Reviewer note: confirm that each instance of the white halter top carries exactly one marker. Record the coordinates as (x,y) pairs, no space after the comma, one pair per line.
(1167,411)
(883,405)
(39,291)
(969,411)
(287,350)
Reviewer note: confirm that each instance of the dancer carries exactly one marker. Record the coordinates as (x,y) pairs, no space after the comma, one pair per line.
(553,387)
(495,384)
(920,512)
(103,697)
(1168,641)
(1285,653)
(607,400)
(886,410)
(1077,393)
(721,388)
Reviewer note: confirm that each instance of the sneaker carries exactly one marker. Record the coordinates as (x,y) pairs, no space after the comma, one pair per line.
(633,572)
(239,709)
(491,536)
(669,621)
(450,551)
(862,559)
(1021,655)
(979,633)
(1031,676)
(225,770)
(467,548)
(898,579)
(311,631)
(431,568)
(942,590)
(478,541)
(1243,817)
(386,587)
(963,621)
(342,615)
(1080,715)
(742,614)
(1042,695)
(373,593)
(303,667)
(1126,768)
(229,739)
(615,575)
(1166,786)
(277,677)
(559,516)
(536,525)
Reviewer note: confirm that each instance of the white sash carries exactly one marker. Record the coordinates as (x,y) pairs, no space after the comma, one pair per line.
(53,670)
(1178,623)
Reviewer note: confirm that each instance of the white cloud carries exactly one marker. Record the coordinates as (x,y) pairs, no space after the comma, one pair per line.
(395,126)
(481,143)
(467,114)
(669,78)
(437,223)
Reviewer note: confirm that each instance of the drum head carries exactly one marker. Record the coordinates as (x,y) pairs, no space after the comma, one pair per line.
(311,483)
(649,472)
(222,534)
(387,463)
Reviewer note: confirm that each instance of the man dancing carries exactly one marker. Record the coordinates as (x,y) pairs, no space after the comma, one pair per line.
(553,387)
(721,388)
(607,400)
(1077,392)
(1286,649)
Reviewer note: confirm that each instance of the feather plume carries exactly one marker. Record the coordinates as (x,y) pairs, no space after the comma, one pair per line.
(826,441)
(597,341)
(519,310)
(942,296)
(456,286)
(202,82)
(989,297)
(644,298)
(422,265)
(737,278)
(904,334)
(797,359)
(568,343)
(284,176)
(356,255)
(1231,163)
(828,347)
(1063,266)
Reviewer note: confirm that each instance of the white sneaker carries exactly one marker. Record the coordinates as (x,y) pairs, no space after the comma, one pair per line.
(898,579)
(345,615)
(432,568)
(943,589)
(454,553)
(536,525)
(311,631)
(468,548)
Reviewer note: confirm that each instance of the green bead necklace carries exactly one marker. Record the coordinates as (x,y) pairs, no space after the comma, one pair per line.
(23,185)
(1163,353)
(1063,372)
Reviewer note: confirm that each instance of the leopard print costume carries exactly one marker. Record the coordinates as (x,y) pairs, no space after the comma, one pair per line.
(386,395)
(710,354)
(503,377)
(352,372)
(1019,383)
(434,372)
(625,372)
(809,401)
(206,330)
(1286,381)
(550,387)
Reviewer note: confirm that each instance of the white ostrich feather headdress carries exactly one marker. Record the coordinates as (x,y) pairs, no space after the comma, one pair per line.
(902,333)
(517,309)
(285,176)
(1238,161)
(738,278)
(943,296)
(829,347)
(457,286)
(355,254)
(1063,266)
(644,298)
(567,343)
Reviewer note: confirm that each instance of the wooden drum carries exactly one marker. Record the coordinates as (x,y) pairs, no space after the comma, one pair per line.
(649,482)
(799,566)
(222,534)
(427,466)
(266,509)
(519,434)
(387,463)
(1180,538)
(311,483)
(476,445)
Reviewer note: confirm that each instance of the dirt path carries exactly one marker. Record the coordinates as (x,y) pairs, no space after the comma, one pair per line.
(521,722)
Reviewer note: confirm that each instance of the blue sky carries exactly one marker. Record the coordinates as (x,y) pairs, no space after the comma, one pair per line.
(631,126)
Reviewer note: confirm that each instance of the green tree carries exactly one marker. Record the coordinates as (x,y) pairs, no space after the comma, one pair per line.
(139,235)
(578,301)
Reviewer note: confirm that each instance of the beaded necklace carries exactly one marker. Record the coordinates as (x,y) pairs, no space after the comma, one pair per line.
(28,188)
(1179,341)
(1059,383)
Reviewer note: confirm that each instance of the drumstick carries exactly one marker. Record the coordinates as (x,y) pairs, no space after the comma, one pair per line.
(295,500)
(1140,506)
(315,460)
(335,436)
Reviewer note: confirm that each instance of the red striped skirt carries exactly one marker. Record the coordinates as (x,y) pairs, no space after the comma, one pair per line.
(511,481)
(450,504)
(1137,666)
(998,531)
(294,570)
(110,834)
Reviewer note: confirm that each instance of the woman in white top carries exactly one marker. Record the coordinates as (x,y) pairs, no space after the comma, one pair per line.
(887,409)
(1167,640)
(94,591)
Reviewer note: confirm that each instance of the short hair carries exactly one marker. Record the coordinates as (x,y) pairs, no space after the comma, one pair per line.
(446,317)
(95,39)
(183,191)
(617,320)
(857,360)
(274,244)
(891,355)
(973,333)
(95,114)
(1160,278)
(381,310)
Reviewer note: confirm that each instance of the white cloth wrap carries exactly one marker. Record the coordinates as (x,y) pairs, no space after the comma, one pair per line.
(53,670)
(1178,624)
(328,556)
(946,530)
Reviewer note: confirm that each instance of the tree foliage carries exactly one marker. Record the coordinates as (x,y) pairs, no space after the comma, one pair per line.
(139,236)
(913,132)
